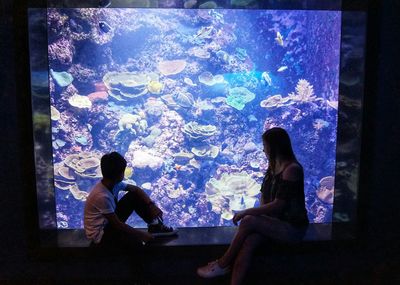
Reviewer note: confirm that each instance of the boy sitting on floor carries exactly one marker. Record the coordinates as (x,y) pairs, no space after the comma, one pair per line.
(105,216)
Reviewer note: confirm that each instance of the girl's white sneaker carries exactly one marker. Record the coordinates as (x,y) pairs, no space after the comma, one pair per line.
(212,269)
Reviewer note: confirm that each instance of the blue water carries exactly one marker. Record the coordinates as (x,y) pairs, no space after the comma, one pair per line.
(202,187)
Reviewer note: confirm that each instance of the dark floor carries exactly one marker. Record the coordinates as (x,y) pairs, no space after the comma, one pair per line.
(329,254)
(174,260)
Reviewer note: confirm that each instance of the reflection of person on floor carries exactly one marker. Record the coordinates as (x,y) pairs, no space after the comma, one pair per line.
(281,215)
(105,216)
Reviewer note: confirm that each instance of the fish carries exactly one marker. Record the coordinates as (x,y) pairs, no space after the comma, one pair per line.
(189,81)
(266,77)
(282,68)
(104,27)
(178,166)
(204,32)
(252,118)
(128,172)
(279,38)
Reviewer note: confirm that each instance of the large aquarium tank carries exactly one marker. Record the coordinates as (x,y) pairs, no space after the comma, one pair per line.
(184,95)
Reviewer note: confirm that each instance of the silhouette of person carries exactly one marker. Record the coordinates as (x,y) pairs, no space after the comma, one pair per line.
(281,215)
(105,216)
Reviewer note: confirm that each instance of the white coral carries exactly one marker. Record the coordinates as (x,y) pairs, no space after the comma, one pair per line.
(231,192)
(143,159)
(304,91)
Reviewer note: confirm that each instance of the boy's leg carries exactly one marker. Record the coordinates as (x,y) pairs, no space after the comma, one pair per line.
(118,240)
(137,200)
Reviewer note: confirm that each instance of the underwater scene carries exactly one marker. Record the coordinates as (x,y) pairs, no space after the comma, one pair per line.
(185,95)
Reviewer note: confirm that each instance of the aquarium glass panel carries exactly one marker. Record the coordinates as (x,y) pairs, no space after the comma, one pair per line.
(41,118)
(184,96)
(351,90)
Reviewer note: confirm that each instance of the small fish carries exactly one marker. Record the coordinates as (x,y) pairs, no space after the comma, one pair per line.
(252,118)
(128,172)
(104,27)
(282,68)
(279,38)
(266,77)
(189,81)
(204,32)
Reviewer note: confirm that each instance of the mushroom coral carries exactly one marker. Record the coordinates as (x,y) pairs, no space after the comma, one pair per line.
(231,192)
(238,97)
(325,191)
(171,67)
(196,131)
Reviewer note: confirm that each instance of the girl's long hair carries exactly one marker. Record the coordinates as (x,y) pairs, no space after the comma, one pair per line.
(280,146)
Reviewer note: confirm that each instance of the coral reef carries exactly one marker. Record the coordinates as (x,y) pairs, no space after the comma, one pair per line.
(75,168)
(61,78)
(238,97)
(208,79)
(196,131)
(184,95)
(61,51)
(124,85)
(143,159)
(80,102)
(232,192)
(325,190)
(171,67)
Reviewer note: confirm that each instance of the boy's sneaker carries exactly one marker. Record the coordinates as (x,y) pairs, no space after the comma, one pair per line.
(161,230)
(212,269)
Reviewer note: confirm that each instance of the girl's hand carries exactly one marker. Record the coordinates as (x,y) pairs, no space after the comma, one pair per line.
(238,216)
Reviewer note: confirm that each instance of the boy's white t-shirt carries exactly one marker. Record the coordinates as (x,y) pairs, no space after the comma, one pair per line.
(99,202)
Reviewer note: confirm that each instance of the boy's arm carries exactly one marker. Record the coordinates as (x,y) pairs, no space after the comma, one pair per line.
(118,225)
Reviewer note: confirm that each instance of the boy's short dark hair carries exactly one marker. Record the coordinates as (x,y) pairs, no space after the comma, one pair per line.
(112,165)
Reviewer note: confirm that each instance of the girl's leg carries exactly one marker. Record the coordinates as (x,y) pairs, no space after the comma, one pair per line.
(266,226)
(245,228)
(243,259)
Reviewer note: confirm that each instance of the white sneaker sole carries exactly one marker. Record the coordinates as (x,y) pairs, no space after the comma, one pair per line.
(211,274)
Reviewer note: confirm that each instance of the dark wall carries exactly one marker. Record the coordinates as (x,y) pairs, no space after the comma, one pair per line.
(378,252)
